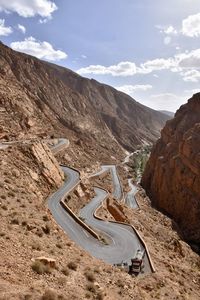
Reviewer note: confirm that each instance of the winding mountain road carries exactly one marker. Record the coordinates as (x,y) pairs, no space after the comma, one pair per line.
(123,242)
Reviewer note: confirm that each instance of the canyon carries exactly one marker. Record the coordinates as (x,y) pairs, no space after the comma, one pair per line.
(42,104)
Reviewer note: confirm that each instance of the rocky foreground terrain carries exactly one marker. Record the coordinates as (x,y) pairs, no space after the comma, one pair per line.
(172,175)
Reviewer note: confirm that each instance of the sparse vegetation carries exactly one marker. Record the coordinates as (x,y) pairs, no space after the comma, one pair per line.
(59,246)
(97,270)
(90,276)
(88,295)
(46,229)
(138,161)
(65,271)
(4,207)
(61,280)
(39,232)
(45,218)
(11,194)
(120,283)
(91,287)
(40,268)
(72,265)
(49,295)
(7,180)
(100,296)
(36,246)
(24,223)
(15,221)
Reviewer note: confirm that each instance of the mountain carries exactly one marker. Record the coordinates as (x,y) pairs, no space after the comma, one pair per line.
(38,98)
(172,174)
(168,113)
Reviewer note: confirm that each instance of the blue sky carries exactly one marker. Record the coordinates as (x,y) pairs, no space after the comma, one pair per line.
(148,49)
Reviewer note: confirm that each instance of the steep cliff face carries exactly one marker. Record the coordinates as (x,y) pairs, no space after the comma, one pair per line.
(39,98)
(172,174)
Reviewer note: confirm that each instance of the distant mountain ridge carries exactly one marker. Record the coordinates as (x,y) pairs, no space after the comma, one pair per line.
(40,98)
(168,113)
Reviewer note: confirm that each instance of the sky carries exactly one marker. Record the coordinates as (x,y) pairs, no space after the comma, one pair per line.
(147,49)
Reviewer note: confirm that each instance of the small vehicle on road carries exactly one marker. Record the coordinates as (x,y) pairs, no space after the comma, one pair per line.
(137,263)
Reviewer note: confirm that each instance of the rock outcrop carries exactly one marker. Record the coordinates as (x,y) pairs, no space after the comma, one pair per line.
(172,174)
(47,164)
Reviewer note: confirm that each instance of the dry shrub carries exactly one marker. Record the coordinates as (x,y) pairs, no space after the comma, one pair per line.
(65,271)
(90,276)
(91,288)
(72,265)
(40,268)
(49,295)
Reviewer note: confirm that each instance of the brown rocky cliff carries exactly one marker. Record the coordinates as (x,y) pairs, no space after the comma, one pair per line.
(172,174)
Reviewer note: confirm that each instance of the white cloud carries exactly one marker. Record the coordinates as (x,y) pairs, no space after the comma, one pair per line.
(30,8)
(44,21)
(121,69)
(170,30)
(42,50)
(3,29)
(130,89)
(180,63)
(166,101)
(191,26)
(189,59)
(156,65)
(21,28)
(192,92)
(167,40)
(129,68)
(83,56)
(191,76)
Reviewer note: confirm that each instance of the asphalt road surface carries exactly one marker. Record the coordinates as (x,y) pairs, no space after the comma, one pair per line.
(130,197)
(62,144)
(117,193)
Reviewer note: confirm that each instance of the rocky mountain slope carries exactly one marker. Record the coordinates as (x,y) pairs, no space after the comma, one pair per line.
(39,98)
(172,175)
